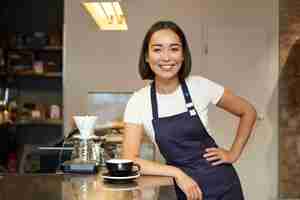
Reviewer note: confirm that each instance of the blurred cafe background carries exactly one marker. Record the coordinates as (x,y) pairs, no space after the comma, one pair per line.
(55,63)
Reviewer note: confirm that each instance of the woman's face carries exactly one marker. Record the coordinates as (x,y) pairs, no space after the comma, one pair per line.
(165,54)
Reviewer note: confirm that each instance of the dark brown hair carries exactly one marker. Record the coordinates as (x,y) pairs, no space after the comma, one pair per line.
(144,68)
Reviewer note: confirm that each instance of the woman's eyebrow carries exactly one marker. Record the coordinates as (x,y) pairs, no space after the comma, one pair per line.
(171,45)
(175,44)
(156,45)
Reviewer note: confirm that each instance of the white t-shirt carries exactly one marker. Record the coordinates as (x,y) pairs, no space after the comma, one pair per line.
(202,91)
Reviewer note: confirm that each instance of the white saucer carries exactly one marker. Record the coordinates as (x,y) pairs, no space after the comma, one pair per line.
(108,177)
(121,189)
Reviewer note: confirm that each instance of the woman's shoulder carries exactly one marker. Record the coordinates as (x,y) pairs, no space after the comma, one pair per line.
(210,91)
(138,103)
(142,91)
(141,94)
(200,83)
(197,80)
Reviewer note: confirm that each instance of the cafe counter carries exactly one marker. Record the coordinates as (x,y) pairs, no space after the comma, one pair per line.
(83,187)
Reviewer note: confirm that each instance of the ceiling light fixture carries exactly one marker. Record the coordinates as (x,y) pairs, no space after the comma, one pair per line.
(107,14)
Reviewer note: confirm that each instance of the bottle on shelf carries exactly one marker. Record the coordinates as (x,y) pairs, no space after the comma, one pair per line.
(2,62)
(12,162)
(2,108)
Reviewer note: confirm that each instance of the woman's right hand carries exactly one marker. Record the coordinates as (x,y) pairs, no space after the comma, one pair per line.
(188,186)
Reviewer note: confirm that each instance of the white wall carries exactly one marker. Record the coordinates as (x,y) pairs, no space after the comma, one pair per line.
(242,38)
(243,55)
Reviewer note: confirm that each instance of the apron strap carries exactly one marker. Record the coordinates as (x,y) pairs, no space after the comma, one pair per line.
(154,102)
(188,100)
(187,97)
(154,107)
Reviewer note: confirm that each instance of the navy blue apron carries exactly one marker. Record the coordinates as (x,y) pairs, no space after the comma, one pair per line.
(182,140)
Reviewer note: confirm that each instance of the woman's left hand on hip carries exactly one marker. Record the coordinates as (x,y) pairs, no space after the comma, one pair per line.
(219,156)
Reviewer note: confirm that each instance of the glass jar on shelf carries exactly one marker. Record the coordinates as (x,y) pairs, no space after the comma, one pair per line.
(2,61)
(2,109)
(13,110)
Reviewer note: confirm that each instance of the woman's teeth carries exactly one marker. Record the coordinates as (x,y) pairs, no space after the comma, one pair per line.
(167,66)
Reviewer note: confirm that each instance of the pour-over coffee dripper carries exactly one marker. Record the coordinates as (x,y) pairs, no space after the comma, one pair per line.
(86,126)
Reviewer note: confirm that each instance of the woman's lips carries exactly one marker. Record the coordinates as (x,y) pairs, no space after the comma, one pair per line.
(167,67)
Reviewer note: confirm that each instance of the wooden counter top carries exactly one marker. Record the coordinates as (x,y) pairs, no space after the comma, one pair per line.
(83,187)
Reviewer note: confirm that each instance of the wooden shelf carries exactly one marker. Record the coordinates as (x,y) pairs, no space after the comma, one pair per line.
(54,122)
(39,122)
(45,75)
(33,74)
(46,48)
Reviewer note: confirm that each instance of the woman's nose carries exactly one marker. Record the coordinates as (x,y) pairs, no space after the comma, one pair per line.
(165,55)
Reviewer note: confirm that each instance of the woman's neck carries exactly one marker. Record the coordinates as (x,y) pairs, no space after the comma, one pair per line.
(166,86)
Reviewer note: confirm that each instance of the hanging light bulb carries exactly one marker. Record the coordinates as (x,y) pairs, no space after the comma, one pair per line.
(107,14)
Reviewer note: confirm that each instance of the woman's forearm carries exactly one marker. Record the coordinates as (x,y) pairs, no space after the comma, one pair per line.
(155,168)
(247,121)
(247,114)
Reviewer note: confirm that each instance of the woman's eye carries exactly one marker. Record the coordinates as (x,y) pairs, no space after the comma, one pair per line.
(156,50)
(174,49)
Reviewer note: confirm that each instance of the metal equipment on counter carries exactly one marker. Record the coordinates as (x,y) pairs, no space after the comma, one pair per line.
(96,149)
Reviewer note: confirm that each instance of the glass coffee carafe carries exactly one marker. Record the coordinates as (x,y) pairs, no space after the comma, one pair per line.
(86,147)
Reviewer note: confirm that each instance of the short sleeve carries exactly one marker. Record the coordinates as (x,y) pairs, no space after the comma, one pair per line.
(216,91)
(132,112)
(205,90)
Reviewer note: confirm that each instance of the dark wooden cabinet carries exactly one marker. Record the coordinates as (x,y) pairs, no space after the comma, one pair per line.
(31,51)
(33,73)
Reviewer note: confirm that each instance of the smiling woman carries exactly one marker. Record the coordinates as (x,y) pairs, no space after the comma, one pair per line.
(172,111)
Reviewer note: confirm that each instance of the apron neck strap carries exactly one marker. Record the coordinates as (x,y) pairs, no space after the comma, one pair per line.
(188,100)
(186,94)
(154,101)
